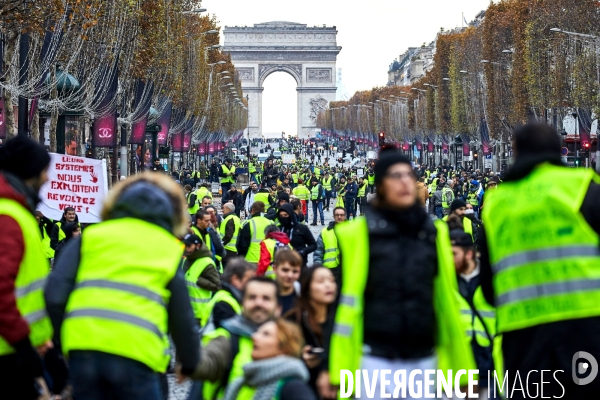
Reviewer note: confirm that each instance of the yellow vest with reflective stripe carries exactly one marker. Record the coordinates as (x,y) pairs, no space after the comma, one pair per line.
(199,297)
(224,296)
(31,278)
(212,390)
(257,235)
(473,325)
(447,197)
(331,255)
(231,245)
(327,183)
(467,225)
(270,245)
(264,197)
(119,304)
(205,239)
(301,192)
(192,210)
(544,255)
(202,192)
(61,234)
(433,186)
(371,179)
(229,178)
(48,251)
(346,347)
(315,191)
(362,190)
(472,199)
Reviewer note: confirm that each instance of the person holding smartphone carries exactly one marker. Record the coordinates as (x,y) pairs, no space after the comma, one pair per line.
(313,313)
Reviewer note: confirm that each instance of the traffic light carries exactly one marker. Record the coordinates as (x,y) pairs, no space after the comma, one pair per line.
(381,139)
(586,145)
(163,151)
(475,156)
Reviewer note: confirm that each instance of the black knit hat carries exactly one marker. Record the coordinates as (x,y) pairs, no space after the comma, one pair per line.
(283,196)
(456,204)
(387,158)
(23,157)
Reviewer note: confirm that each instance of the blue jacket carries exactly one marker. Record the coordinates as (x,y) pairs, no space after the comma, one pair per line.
(351,190)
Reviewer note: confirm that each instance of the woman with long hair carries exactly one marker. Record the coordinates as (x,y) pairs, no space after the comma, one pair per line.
(276,372)
(313,312)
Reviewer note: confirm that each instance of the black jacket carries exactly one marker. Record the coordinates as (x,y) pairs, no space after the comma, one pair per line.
(301,238)
(245,238)
(399,318)
(217,245)
(222,310)
(55,230)
(237,199)
(312,338)
(274,174)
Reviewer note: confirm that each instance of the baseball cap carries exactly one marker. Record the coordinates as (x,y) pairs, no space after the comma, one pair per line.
(460,238)
(190,238)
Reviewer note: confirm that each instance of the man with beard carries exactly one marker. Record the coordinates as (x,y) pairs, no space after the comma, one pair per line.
(301,238)
(226,350)
(57,233)
(477,315)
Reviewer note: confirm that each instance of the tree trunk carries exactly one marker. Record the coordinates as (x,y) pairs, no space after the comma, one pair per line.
(9,49)
(54,115)
(35,125)
(108,169)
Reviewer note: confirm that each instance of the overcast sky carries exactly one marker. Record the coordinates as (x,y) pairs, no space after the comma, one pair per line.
(372,33)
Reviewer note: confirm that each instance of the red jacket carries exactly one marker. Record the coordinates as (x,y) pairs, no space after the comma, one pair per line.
(265,257)
(13,328)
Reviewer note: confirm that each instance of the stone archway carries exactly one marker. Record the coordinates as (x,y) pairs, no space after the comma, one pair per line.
(309,54)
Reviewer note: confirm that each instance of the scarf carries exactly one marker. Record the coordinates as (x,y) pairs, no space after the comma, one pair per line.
(265,375)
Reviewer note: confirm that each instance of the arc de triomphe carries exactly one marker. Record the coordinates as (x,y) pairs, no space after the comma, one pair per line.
(306,53)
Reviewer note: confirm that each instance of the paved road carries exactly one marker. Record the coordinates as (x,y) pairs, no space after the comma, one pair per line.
(179,392)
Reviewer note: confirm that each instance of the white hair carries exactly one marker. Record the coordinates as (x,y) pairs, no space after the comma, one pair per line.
(229,207)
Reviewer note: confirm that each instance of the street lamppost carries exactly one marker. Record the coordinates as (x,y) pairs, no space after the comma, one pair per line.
(248,123)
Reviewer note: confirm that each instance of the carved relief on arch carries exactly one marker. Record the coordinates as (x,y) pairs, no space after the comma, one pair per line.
(265,70)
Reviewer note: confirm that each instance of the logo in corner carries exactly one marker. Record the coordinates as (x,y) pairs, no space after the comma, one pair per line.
(581,367)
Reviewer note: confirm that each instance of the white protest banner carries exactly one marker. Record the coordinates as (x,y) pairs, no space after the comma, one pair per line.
(76,182)
(288,158)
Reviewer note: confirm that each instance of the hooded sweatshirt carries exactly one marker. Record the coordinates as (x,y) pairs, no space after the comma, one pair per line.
(301,238)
